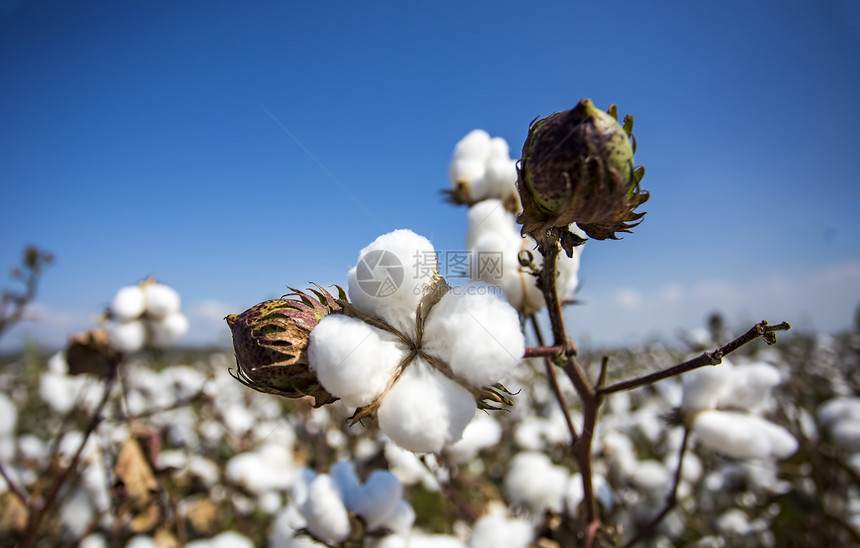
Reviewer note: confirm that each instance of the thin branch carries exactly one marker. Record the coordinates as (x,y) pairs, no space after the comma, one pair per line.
(553,381)
(17,490)
(543,351)
(671,499)
(761,329)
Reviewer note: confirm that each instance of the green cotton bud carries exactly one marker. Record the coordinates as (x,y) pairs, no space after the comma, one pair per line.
(577,167)
(271,341)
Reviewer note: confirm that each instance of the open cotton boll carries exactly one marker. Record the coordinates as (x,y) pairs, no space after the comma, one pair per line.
(742,436)
(501,176)
(706,386)
(471,173)
(845,434)
(353,360)
(165,332)
(838,409)
(126,336)
(128,303)
(227,539)
(483,431)
(651,476)
(533,480)
(499,149)
(489,216)
(161,300)
(476,145)
(478,335)
(425,410)
(389,277)
(377,499)
(325,512)
(494,531)
(751,386)
(400,520)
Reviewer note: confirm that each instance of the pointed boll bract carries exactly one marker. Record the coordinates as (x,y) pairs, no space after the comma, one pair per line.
(577,167)
(271,341)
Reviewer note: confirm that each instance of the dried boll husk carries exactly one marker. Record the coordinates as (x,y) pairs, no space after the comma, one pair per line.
(271,340)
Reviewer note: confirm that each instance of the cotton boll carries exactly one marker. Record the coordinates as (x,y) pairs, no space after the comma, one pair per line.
(651,476)
(488,216)
(476,145)
(469,173)
(126,336)
(400,520)
(742,436)
(838,409)
(501,176)
(499,532)
(94,540)
(8,422)
(751,386)
(408,467)
(733,522)
(846,435)
(425,410)
(499,149)
(77,513)
(161,300)
(483,431)
(705,387)
(268,467)
(141,541)
(353,360)
(389,277)
(168,330)
(377,499)
(128,303)
(534,481)
(479,336)
(325,512)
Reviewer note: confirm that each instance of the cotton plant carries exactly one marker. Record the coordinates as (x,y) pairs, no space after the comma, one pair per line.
(840,419)
(481,168)
(501,256)
(148,314)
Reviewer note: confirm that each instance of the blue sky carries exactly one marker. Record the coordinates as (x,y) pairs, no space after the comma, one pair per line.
(210,143)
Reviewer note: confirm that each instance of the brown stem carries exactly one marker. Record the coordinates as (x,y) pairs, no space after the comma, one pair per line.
(543,351)
(16,489)
(671,499)
(553,382)
(761,329)
(38,513)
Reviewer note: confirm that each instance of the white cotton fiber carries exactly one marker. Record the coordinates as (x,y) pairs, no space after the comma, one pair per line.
(751,386)
(501,176)
(846,435)
(161,300)
(126,336)
(534,481)
(128,303)
(838,409)
(377,499)
(325,512)
(494,531)
(167,331)
(425,410)
(706,386)
(353,360)
(471,173)
(484,431)
(651,476)
(742,436)
(476,145)
(389,277)
(478,335)
(400,520)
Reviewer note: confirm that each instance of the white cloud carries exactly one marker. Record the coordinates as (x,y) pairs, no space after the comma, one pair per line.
(627,298)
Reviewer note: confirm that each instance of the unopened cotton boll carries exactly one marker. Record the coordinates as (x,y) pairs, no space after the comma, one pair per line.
(325,512)
(126,336)
(425,410)
(534,481)
(128,303)
(499,532)
(743,436)
(167,331)
(353,360)
(479,336)
(377,499)
(389,277)
(161,300)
